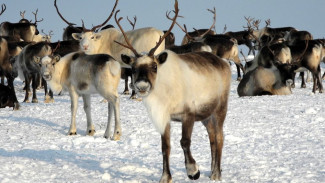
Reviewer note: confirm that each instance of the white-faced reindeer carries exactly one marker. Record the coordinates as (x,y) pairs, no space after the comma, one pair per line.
(142,39)
(186,88)
(83,75)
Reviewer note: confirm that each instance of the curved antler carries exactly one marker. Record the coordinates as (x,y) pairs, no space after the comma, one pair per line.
(152,51)
(57,10)
(214,21)
(129,46)
(3,8)
(110,16)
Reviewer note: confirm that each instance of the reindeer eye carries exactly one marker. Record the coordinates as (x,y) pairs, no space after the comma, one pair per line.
(154,68)
(92,37)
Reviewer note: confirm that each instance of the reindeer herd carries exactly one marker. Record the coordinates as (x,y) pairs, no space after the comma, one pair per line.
(186,83)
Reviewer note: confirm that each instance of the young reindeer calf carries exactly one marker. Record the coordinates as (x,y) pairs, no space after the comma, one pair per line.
(186,88)
(83,75)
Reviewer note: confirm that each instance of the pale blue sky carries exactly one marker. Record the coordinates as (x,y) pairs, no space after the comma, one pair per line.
(302,14)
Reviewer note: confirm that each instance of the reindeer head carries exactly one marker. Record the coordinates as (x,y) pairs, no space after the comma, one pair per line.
(47,65)
(146,66)
(87,37)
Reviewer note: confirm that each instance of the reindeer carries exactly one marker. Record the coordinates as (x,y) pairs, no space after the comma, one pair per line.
(224,47)
(268,31)
(29,70)
(103,42)
(183,87)
(83,75)
(6,70)
(21,31)
(307,55)
(275,80)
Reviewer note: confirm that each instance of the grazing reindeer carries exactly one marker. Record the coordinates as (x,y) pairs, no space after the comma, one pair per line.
(83,75)
(183,87)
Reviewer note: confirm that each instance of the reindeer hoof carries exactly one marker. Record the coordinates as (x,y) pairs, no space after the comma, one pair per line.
(116,136)
(126,92)
(34,100)
(16,106)
(91,132)
(73,133)
(239,79)
(303,86)
(195,177)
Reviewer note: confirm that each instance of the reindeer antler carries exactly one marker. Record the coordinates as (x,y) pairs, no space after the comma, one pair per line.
(224,29)
(57,10)
(110,16)
(22,14)
(267,22)
(152,51)
(35,14)
(256,23)
(129,46)
(249,24)
(132,23)
(3,8)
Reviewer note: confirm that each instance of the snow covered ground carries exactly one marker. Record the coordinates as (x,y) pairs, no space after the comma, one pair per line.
(267,139)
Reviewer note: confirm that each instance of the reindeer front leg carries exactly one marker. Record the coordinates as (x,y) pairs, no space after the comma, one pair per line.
(87,109)
(74,106)
(192,169)
(165,147)
(35,83)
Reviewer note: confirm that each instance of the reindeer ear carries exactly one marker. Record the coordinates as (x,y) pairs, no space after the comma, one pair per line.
(36,59)
(126,59)
(56,58)
(162,57)
(76,36)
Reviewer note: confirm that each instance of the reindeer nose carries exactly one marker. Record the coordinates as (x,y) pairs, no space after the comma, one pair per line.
(142,86)
(46,76)
(85,47)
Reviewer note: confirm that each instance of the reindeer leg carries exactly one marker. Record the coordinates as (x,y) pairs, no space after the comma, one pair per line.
(319,79)
(87,108)
(35,83)
(165,147)
(323,77)
(117,130)
(126,90)
(303,83)
(27,87)
(74,106)
(214,127)
(109,122)
(12,88)
(192,169)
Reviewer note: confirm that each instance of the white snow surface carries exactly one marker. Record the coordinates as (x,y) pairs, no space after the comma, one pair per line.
(267,139)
